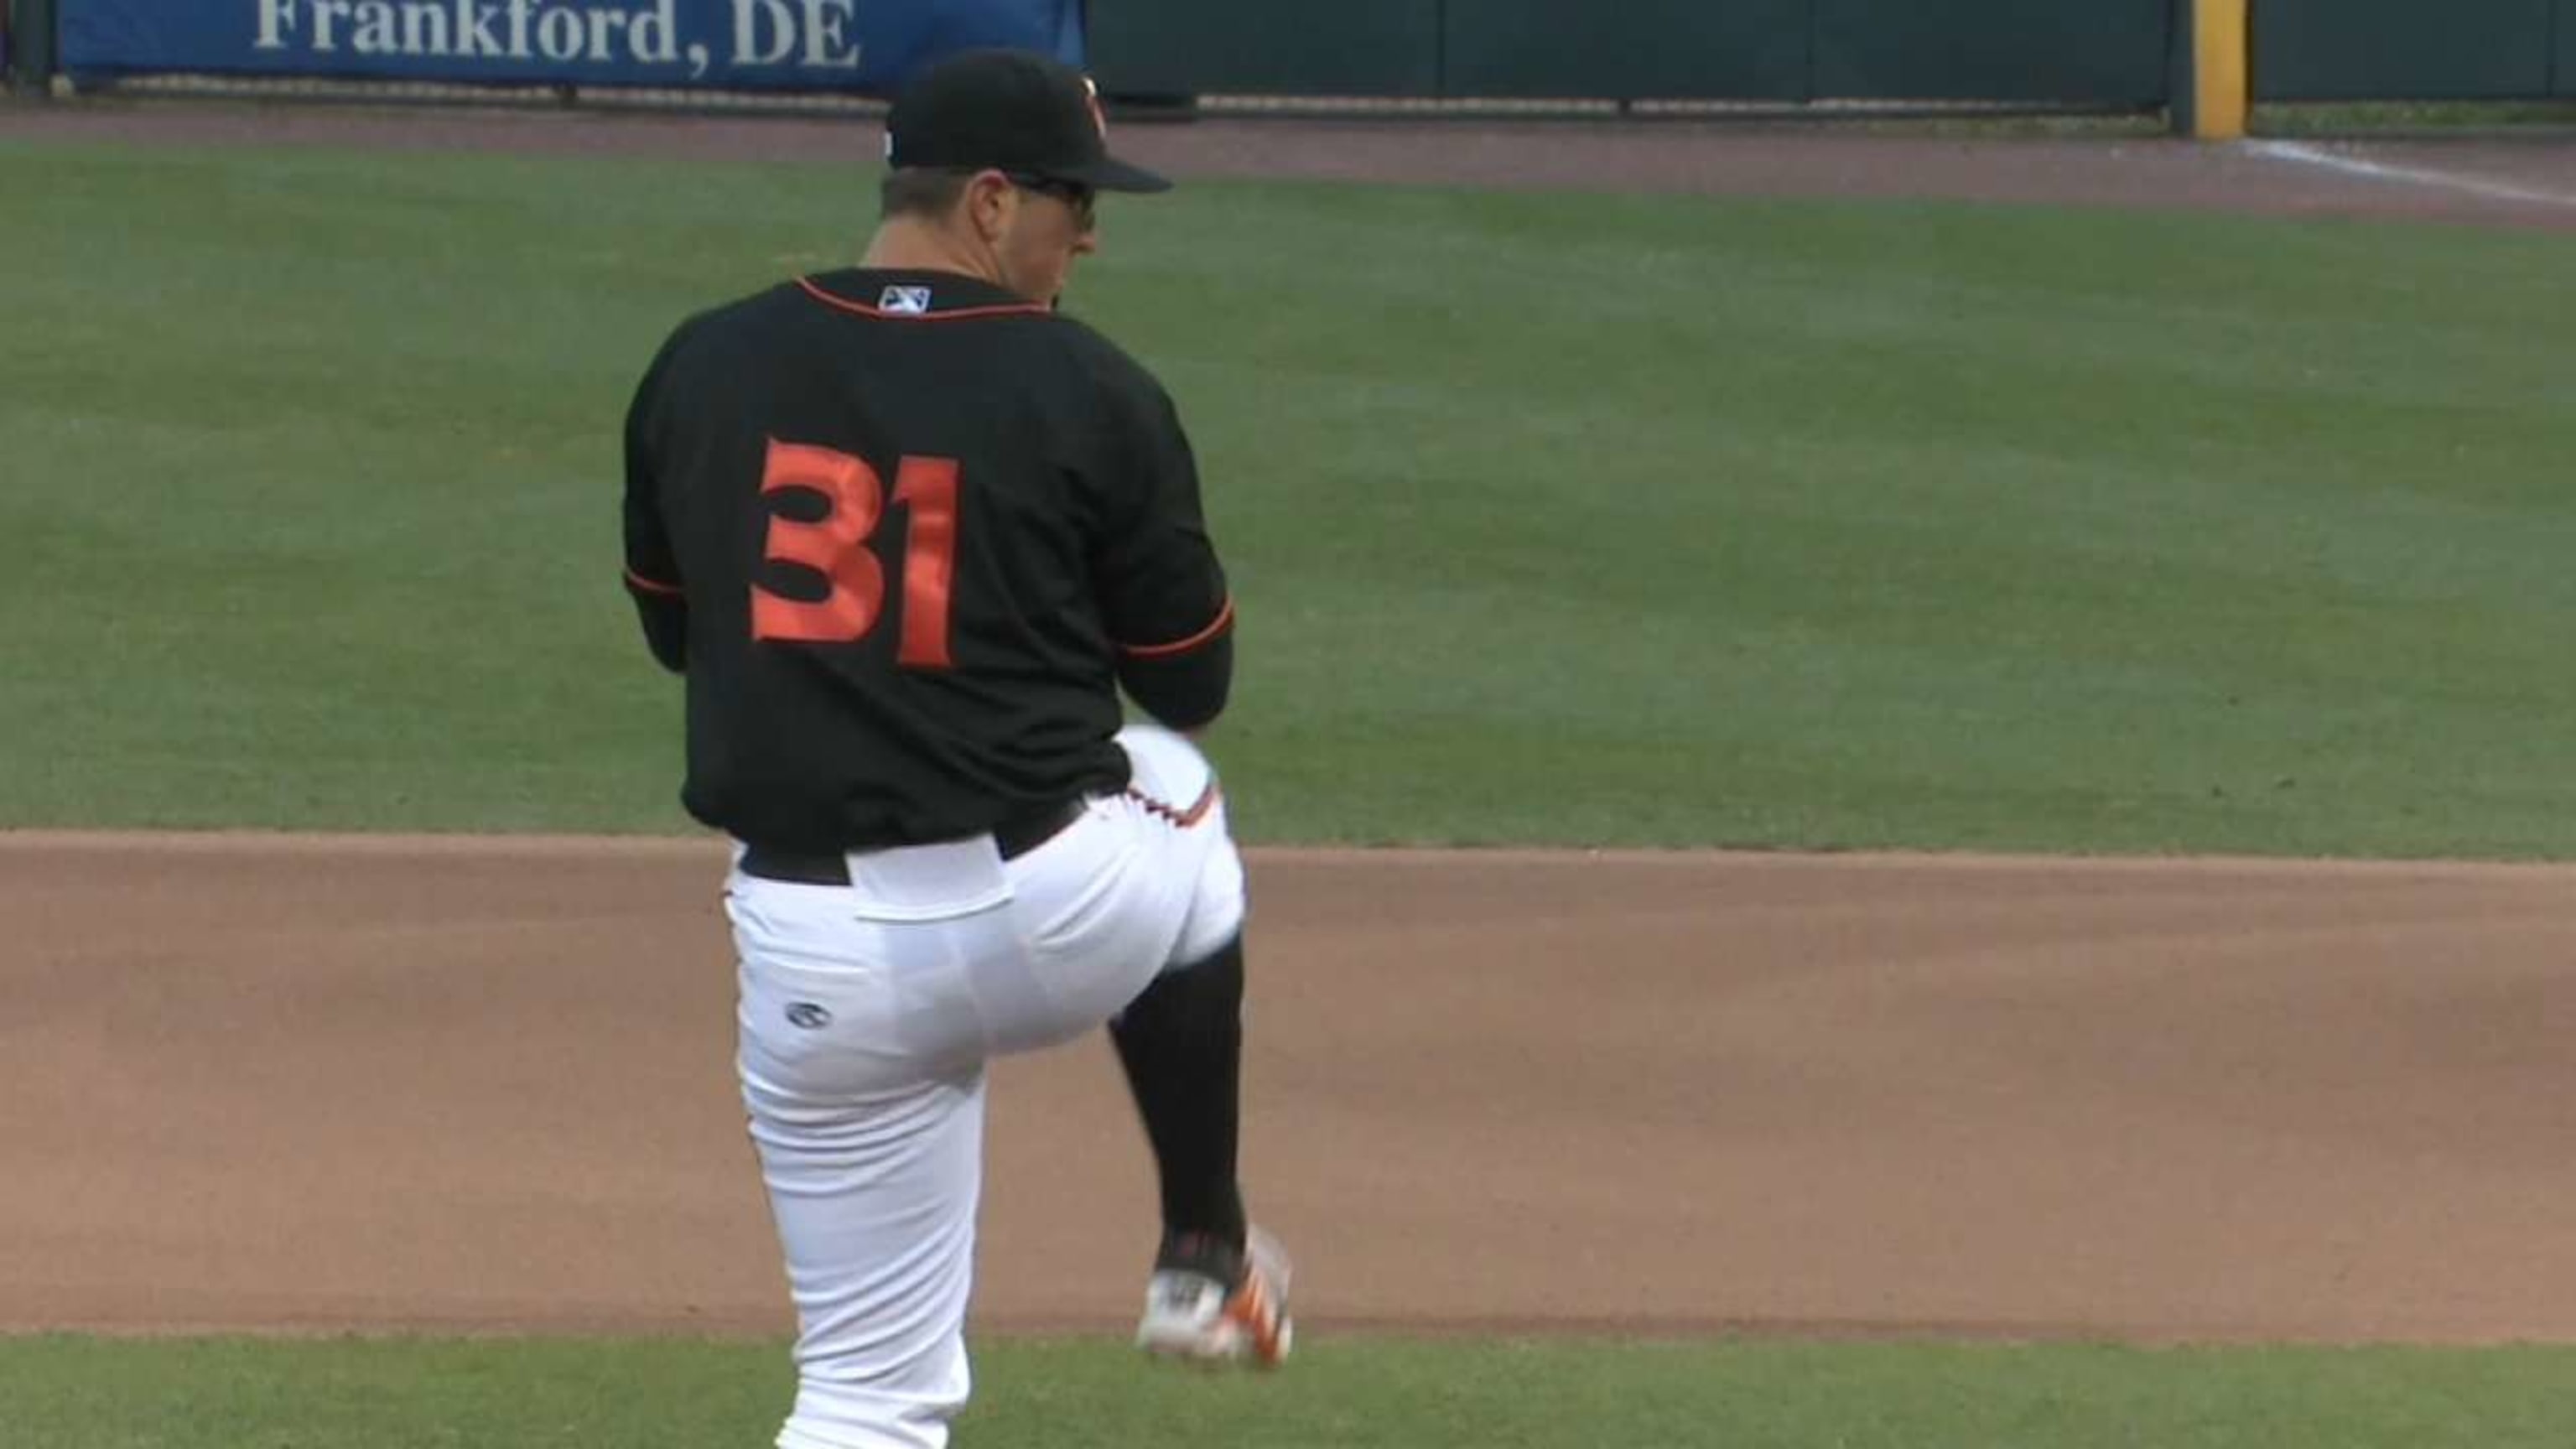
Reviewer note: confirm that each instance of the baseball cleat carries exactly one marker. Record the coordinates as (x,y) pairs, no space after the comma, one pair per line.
(1208,1303)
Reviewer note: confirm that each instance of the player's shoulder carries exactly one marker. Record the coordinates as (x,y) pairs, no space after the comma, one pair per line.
(710,326)
(727,337)
(1044,347)
(1114,377)
(1096,353)
(752,311)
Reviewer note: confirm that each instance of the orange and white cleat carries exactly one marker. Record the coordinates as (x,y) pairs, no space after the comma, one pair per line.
(1211,1304)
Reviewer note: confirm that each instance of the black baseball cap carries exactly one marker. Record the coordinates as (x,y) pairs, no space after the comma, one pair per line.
(1009,110)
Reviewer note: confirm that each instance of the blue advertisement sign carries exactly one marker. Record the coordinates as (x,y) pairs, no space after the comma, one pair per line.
(861,46)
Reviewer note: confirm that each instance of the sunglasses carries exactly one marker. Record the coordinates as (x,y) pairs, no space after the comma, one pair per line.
(1080,198)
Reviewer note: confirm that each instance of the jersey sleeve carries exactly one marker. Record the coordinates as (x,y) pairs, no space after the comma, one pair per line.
(1162,590)
(653,577)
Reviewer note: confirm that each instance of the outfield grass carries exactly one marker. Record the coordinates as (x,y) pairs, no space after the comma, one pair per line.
(2329,119)
(552,1394)
(1555,519)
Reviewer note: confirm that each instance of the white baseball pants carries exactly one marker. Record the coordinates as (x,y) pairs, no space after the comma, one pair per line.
(866,1015)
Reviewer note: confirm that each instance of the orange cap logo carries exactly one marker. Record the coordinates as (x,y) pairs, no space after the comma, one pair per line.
(1091,97)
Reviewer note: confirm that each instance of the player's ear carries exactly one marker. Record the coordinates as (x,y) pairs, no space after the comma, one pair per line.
(988,201)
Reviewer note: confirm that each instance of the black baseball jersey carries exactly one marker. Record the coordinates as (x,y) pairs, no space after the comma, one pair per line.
(906,534)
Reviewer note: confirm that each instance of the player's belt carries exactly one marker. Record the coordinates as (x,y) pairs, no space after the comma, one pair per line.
(1013,838)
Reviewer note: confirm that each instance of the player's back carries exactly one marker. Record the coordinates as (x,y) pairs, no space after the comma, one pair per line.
(885,494)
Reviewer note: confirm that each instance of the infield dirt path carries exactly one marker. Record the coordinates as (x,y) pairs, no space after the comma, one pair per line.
(263,1081)
(2486,180)
(277,1081)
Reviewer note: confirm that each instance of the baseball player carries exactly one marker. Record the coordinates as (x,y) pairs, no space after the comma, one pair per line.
(908,532)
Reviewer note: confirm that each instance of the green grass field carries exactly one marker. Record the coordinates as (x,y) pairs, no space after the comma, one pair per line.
(1596,520)
(550,1394)
(1577,520)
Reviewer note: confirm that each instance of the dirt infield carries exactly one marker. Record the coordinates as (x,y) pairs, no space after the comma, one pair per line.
(458,1084)
(2486,180)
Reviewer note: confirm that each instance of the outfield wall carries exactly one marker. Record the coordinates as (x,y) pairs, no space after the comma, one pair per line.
(2100,53)
(2347,50)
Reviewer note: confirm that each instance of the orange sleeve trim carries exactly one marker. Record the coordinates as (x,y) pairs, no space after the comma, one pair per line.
(961,314)
(643,585)
(1224,621)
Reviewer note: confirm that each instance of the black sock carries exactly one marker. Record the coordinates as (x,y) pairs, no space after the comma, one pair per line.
(1181,1043)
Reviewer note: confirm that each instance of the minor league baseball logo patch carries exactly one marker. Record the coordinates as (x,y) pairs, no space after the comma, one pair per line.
(909,301)
(808,1015)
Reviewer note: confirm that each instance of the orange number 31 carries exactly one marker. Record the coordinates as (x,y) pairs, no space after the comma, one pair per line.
(836,546)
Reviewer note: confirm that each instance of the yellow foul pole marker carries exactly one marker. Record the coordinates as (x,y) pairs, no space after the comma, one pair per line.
(2218,38)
